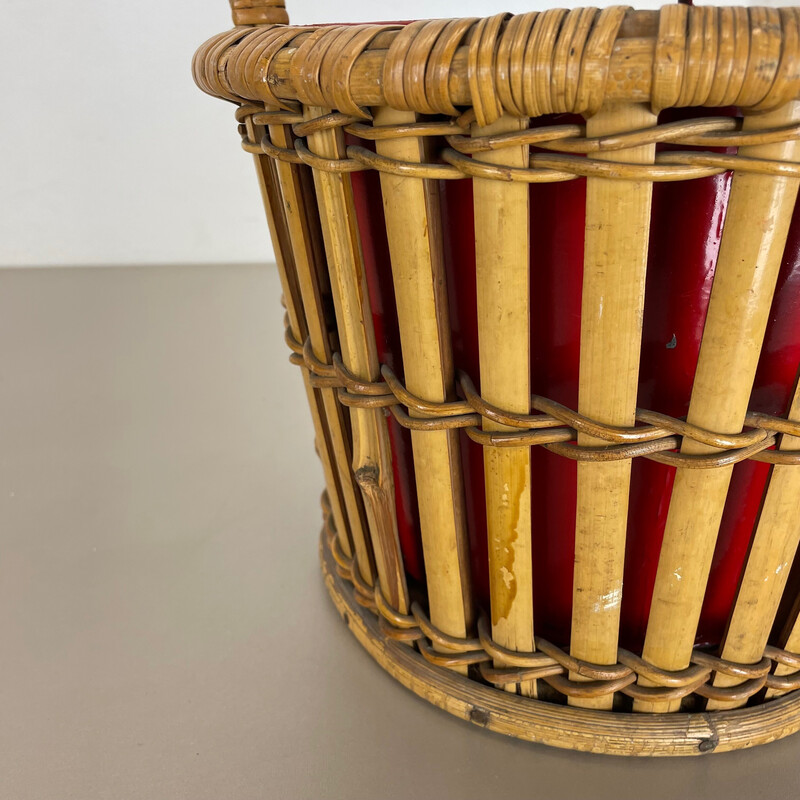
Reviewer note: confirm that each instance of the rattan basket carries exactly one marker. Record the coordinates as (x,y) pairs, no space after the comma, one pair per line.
(542,282)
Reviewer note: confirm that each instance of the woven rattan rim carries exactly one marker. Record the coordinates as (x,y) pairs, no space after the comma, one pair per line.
(552,664)
(458,160)
(555,427)
(678,56)
(534,720)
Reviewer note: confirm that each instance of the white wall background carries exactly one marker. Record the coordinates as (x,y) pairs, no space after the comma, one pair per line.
(109,153)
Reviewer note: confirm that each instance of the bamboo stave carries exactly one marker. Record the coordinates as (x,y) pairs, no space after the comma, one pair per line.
(503,306)
(418,274)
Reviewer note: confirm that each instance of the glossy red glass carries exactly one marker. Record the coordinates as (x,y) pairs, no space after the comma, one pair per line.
(686,225)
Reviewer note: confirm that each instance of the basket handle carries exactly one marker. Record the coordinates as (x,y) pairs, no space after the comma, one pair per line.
(259,12)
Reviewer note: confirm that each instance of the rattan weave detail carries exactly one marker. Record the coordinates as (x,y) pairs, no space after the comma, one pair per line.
(552,664)
(679,56)
(455,162)
(555,427)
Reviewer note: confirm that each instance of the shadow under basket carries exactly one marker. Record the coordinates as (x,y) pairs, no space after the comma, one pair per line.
(542,281)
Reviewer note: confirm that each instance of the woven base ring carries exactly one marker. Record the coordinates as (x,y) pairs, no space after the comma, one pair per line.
(676,734)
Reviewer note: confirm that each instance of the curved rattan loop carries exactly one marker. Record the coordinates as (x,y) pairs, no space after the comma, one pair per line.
(772,424)
(380,132)
(537,78)
(366,159)
(343,60)
(407,635)
(508,74)
(501,676)
(481,68)
(399,392)
(392,78)
(553,664)
(689,677)
(588,688)
(453,660)
(786,683)
(392,616)
(556,426)
(466,421)
(360,401)
(513,658)
(784,657)
(474,168)
(717,664)
(334,119)
(415,66)
(338,165)
(519,438)
(550,135)
(439,638)
(544,167)
(207,72)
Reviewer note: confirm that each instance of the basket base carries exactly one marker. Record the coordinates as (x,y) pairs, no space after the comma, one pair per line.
(614,733)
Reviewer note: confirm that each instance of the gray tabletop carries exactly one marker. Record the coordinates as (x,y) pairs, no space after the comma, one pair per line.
(165,630)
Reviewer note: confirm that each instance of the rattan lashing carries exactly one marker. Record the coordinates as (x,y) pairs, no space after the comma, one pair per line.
(747,57)
(551,663)
(545,168)
(298,90)
(555,428)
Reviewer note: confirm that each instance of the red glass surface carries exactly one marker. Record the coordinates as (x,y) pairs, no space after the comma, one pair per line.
(687,220)
(686,226)
(772,394)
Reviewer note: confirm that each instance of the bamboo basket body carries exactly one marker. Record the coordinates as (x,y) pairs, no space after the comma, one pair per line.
(542,281)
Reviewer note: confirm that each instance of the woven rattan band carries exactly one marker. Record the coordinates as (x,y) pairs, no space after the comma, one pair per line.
(552,664)
(555,427)
(455,161)
(678,56)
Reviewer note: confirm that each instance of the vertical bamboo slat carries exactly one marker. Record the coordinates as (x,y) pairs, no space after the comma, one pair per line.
(301,321)
(371,449)
(759,211)
(615,263)
(300,235)
(503,286)
(771,554)
(411,211)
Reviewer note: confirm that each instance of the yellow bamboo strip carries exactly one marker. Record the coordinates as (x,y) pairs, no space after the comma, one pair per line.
(412,216)
(771,553)
(371,450)
(299,325)
(615,264)
(759,212)
(301,238)
(503,286)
